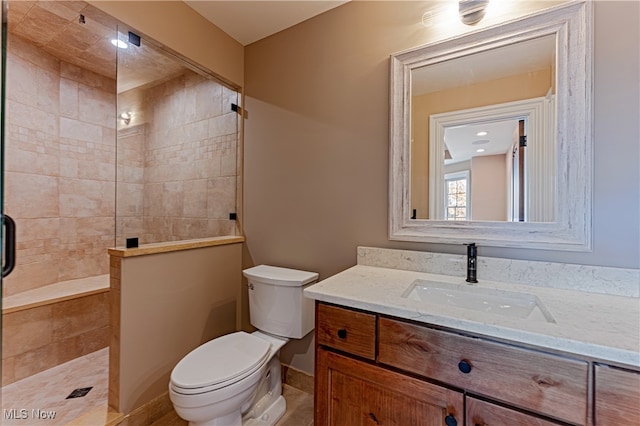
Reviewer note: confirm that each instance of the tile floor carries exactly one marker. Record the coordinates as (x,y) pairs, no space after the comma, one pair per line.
(299,410)
(41,399)
(29,401)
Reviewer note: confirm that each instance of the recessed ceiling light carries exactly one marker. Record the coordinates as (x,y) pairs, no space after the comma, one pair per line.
(480,150)
(119,43)
(483,133)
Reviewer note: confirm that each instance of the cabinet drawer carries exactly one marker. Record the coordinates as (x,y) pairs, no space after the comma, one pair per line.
(549,384)
(482,413)
(350,331)
(617,396)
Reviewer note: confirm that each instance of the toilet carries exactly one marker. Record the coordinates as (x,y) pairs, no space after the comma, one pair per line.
(235,379)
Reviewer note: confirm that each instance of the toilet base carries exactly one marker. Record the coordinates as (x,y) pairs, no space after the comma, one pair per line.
(271,415)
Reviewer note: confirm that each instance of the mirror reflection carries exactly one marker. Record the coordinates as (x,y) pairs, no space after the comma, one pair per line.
(483,135)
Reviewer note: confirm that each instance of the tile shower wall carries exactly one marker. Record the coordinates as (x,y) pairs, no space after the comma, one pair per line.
(177,161)
(59,167)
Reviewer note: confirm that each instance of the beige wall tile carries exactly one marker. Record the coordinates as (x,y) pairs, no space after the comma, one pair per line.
(97,106)
(24,49)
(48,83)
(31,272)
(80,345)
(22,74)
(8,373)
(69,98)
(86,77)
(79,130)
(29,363)
(86,198)
(30,117)
(221,197)
(195,199)
(25,331)
(74,317)
(31,196)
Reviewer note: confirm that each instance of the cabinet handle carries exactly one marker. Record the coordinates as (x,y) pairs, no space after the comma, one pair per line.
(342,333)
(450,421)
(464,366)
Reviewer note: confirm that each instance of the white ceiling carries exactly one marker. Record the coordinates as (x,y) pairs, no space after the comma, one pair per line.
(529,55)
(248,21)
(463,141)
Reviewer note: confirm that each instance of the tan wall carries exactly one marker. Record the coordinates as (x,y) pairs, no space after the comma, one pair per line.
(165,305)
(518,87)
(182,29)
(317,137)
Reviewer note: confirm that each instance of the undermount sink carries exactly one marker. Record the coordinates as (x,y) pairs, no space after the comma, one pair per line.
(502,302)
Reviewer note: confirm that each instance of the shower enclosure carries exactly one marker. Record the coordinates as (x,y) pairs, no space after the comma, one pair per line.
(107,136)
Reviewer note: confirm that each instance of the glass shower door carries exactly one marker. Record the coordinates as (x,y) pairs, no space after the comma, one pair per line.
(8,233)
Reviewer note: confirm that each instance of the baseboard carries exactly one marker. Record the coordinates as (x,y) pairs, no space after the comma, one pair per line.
(297,379)
(149,412)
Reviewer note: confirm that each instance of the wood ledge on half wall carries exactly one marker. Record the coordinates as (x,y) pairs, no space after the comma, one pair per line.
(170,246)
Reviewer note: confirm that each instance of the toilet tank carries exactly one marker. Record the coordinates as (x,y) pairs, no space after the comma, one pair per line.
(276,302)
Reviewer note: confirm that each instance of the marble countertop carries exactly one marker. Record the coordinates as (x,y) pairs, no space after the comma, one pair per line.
(598,326)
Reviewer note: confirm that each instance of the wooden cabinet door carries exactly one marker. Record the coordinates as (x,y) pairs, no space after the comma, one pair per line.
(617,395)
(482,413)
(352,393)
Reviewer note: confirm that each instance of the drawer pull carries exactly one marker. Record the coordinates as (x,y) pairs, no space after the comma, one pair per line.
(464,366)
(450,421)
(342,333)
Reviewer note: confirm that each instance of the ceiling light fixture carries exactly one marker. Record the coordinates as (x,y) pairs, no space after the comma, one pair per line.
(119,43)
(483,133)
(427,18)
(472,11)
(480,150)
(126,117)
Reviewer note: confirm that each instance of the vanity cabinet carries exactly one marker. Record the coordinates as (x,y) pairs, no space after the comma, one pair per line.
(405,373)
(351,392)
(617,396)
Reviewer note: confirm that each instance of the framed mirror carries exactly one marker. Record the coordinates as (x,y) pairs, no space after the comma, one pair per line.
(491,138)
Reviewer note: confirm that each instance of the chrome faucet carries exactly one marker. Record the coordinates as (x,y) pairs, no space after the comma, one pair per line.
(472,263)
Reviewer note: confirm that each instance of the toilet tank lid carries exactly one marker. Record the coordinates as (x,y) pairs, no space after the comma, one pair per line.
(279,276)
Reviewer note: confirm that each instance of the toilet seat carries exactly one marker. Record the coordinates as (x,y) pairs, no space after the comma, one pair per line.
(219,363)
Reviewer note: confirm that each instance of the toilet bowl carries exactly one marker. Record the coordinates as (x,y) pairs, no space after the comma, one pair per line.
(235,379)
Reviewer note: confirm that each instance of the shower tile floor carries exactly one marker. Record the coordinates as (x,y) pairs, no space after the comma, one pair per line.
(32,401)
(41,399)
